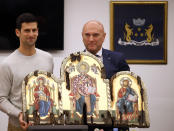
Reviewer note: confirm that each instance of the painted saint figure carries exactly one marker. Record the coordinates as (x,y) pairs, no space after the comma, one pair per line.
(84,91)
(43,102)
(126,98)
(87,95)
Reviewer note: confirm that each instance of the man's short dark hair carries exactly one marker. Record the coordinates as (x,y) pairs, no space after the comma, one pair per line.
(25,17)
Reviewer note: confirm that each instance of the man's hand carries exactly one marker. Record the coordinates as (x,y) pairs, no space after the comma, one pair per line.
(24,125)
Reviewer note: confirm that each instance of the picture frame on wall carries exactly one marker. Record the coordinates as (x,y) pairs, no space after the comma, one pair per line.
(139,30)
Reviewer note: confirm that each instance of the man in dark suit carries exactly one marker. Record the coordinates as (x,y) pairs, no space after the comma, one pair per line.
(93,37)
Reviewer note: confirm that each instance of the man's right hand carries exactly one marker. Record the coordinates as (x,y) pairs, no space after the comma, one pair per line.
(24,125)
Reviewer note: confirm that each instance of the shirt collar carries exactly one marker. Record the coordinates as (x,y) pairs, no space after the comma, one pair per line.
(99,53)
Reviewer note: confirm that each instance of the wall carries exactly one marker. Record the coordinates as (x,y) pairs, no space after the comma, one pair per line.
(158,79)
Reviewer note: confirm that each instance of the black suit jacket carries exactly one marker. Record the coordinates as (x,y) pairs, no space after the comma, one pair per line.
(113,62)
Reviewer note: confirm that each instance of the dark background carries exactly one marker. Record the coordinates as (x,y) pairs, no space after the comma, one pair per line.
(50,14)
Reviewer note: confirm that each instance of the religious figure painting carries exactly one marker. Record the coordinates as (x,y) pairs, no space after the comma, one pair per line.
(86,88)
(42,101)
(129,101)
(82,96)
(40,98)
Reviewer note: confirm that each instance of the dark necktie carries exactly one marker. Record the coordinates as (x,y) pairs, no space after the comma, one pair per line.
(97,56)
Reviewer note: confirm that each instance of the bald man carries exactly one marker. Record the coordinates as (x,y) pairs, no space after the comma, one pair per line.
(93,35)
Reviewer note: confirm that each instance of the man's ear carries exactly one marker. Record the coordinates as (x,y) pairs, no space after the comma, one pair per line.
(104,34)
(17,31)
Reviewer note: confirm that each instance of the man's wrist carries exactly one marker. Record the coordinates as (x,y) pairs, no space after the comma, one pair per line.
(20,113)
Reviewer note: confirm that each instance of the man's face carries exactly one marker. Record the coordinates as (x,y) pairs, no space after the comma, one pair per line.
(93,36)
(28,34)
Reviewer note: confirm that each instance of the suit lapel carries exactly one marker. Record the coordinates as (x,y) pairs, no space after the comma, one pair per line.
(106,57)
(106,61)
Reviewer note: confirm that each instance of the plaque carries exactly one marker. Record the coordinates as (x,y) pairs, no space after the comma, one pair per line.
(129,100)
(85,92)
(41,104)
